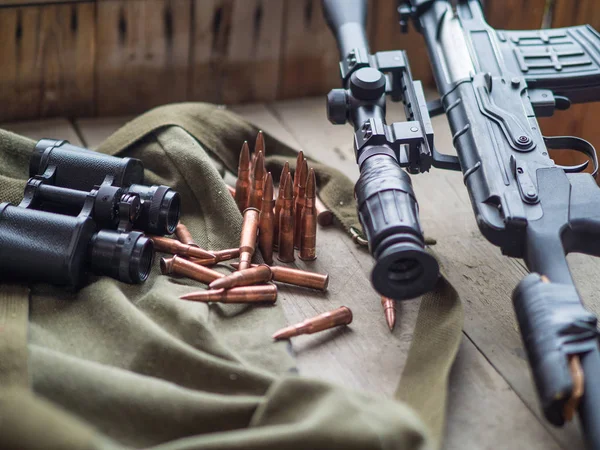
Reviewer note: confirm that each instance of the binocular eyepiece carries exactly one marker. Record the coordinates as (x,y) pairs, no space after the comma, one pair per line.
(68,166)
(56,248)
(81,211)
(389,214)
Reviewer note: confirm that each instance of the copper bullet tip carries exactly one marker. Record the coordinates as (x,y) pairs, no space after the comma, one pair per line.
(268,189)
(259,145)
(307,232)
(325,321)
(311,184)
(286,224)
(390,312)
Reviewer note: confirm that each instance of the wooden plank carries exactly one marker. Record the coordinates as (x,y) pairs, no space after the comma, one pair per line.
(143,53)
(515,14)
(4,3)
(309,63)
(366,351)
(48,128)
(48,57)
(236,46)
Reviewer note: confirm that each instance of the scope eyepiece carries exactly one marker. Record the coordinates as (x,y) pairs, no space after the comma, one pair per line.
(389,214)
(124,256)
(160,210)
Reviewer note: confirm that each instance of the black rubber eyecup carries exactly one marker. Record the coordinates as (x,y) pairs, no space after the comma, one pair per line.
(404,271)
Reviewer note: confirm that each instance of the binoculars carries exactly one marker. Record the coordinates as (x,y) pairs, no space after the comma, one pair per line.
(84,211)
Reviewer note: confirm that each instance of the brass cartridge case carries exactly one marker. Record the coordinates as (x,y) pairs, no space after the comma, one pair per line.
(166,245)
(299,202)
(390,311)
(299,163)
(325,321)
(324,215)
(183,234)
(265,224)
(180,266)
(246,294)
(285,246)
(242,184)
(246,277)
(248,237)
(279,202)
(258,182)
(297,277)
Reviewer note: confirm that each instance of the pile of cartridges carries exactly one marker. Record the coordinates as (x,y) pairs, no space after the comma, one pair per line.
(284,224)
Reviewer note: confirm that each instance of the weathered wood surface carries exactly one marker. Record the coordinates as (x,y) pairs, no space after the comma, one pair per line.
(47,57)
(142,54)
(484,411)
(115,57)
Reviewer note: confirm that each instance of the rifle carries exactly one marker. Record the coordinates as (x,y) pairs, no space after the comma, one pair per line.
(493,84)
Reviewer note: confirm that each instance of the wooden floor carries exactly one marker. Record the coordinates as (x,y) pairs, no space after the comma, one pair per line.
(492,401)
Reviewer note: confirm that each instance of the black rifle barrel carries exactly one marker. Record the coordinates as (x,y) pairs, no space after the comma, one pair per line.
(348,20)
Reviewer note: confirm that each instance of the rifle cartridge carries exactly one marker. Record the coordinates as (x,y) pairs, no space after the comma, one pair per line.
(308,228)
(242,184)
(258,182)
(297,277)
(325,321)
(266,219)
(285,247)
(180,266)
(167,245)
(246,277)
(279,202)
(299,202)
(246,294)
(248,237)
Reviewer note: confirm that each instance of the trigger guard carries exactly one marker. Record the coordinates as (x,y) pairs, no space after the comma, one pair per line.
(574,169)
(576,144)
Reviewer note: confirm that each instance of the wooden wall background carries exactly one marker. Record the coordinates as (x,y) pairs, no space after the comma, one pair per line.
(83,58)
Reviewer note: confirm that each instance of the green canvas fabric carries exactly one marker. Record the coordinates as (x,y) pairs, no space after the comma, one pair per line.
(121,366)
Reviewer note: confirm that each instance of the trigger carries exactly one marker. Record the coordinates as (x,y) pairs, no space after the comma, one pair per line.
(575,169)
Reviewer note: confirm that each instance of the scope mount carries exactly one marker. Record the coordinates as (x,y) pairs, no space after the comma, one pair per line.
(368,79)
